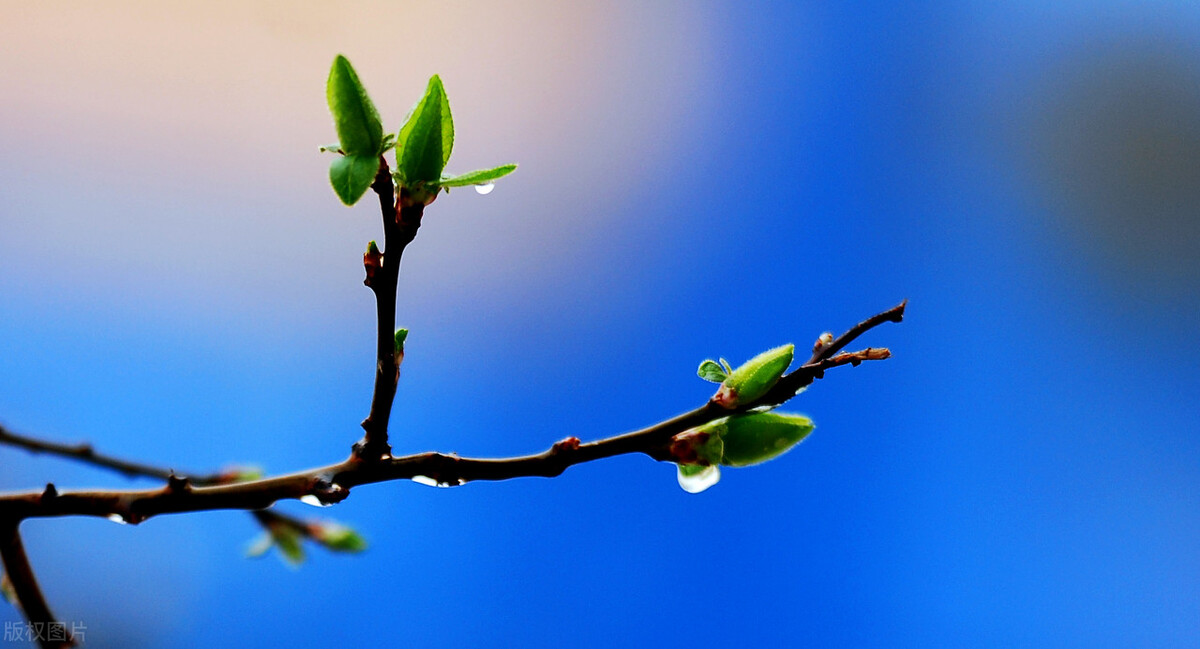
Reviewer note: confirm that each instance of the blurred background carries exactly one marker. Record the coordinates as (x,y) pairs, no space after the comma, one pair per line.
(179,285)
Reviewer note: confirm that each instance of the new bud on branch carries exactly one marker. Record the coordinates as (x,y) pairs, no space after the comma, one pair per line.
(736,441)
(372,261)
(753,379)
(757,437)
(742,439)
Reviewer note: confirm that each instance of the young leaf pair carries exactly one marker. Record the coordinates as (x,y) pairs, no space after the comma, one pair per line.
(751,380)
(288,536)
(742,439)
(423,144)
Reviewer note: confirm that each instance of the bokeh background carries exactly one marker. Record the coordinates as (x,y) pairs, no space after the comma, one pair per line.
(179,285)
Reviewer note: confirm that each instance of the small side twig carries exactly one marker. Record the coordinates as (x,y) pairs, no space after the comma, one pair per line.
(86,454)
(823,356)
(894,314)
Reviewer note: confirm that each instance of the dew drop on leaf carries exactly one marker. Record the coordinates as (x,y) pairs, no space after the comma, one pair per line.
(485,188)
(698,482)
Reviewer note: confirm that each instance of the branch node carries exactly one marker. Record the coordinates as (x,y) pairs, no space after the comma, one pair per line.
(683,448)
(368,449)
(566,445)
(328,493)
(178,484)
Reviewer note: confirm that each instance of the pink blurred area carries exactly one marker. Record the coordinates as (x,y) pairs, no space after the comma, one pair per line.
(159,146)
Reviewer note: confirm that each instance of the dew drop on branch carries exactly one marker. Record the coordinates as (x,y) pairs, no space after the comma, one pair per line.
(309,499)
(430,482)
(118,519)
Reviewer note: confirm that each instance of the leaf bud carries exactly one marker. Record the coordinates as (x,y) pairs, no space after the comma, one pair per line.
(372,261)
(757,437)
(754,378)
(823,341)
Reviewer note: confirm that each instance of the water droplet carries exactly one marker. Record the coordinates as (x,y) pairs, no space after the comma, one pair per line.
(309,499)
(118,519)
(485,188)
(694,484)
(430,482)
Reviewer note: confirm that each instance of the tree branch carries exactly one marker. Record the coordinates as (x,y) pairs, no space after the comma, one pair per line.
(86,454)
(332,483)
(824,357)
(33,604)
(401,220)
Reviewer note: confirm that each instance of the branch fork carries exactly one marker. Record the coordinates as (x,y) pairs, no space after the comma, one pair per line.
(371,459)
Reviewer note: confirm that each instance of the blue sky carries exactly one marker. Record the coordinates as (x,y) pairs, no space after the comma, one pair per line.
(697,180)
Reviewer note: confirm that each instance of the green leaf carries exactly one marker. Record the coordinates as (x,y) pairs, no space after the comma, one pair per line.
(289,543)
(401,336)
(758,437)
(710,371)
(339,538)
(240,473)
(424,143)
(259,546)
(755,377)
(725,364)
(477,177)
(359,129)
(352,175)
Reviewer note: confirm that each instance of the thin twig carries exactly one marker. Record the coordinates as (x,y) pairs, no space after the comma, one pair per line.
(86,454)
(791,384)
(332,483)
(49,631)
(401,220)
(894,314)
(269,517)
